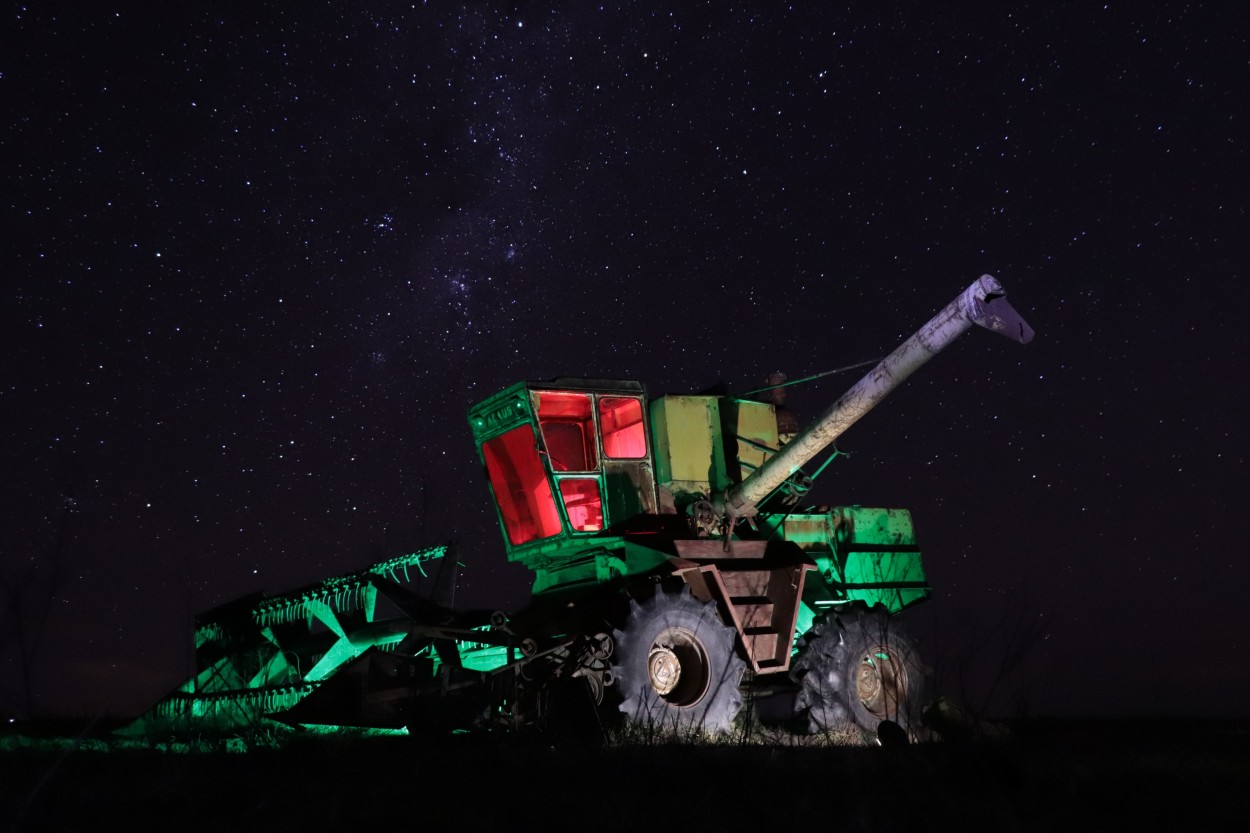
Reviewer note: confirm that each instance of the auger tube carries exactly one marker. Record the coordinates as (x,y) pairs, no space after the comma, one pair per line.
(983,303)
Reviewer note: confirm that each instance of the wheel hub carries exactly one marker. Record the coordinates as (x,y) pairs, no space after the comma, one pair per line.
(664,669)
(678,667)
(881,682)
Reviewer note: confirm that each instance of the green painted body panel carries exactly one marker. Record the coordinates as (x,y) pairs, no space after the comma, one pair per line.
(609,559)
(502,411)
(864,554)
(490,418)
(806,618)
(476,656)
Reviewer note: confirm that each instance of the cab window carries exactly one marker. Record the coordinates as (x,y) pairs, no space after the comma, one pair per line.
(624,437)
(521,489)
(582,503)
(568,430)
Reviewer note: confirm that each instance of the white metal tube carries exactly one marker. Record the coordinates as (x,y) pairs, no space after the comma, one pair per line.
(967,309)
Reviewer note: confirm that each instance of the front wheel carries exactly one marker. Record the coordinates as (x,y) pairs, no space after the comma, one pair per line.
(858,667)
(676,665)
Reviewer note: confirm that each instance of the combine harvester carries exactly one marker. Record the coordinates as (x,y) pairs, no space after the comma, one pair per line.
(676,577)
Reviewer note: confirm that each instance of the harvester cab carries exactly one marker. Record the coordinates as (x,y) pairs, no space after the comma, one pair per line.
(566,460)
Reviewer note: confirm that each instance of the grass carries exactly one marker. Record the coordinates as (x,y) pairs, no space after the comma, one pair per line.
(1048,776)
(637,735)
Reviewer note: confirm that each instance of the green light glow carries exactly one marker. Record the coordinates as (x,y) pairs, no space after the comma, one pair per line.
(804,623)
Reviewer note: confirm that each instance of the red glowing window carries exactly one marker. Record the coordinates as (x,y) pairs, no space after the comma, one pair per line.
(568,430)
(583,503)
(624,436)
(516,474)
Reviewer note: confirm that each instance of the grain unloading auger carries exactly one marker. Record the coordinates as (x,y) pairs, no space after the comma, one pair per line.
(984,304)
(674,572)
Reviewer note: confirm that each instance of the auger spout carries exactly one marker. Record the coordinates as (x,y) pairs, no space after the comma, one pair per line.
(983,303)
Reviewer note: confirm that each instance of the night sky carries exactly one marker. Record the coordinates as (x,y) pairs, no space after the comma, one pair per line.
(258,259)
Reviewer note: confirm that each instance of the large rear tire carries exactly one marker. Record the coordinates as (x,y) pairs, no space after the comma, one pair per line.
(858,666)
(676,665)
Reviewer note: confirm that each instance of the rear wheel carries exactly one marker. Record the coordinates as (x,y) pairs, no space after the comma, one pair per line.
(676,665)
(858,667)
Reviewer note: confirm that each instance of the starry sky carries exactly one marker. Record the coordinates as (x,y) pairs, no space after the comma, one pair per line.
(258,259)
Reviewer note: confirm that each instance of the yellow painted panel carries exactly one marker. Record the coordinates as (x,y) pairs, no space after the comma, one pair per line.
(689,456)
(756,422)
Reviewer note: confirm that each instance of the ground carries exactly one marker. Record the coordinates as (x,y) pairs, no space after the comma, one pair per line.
(1046,776)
